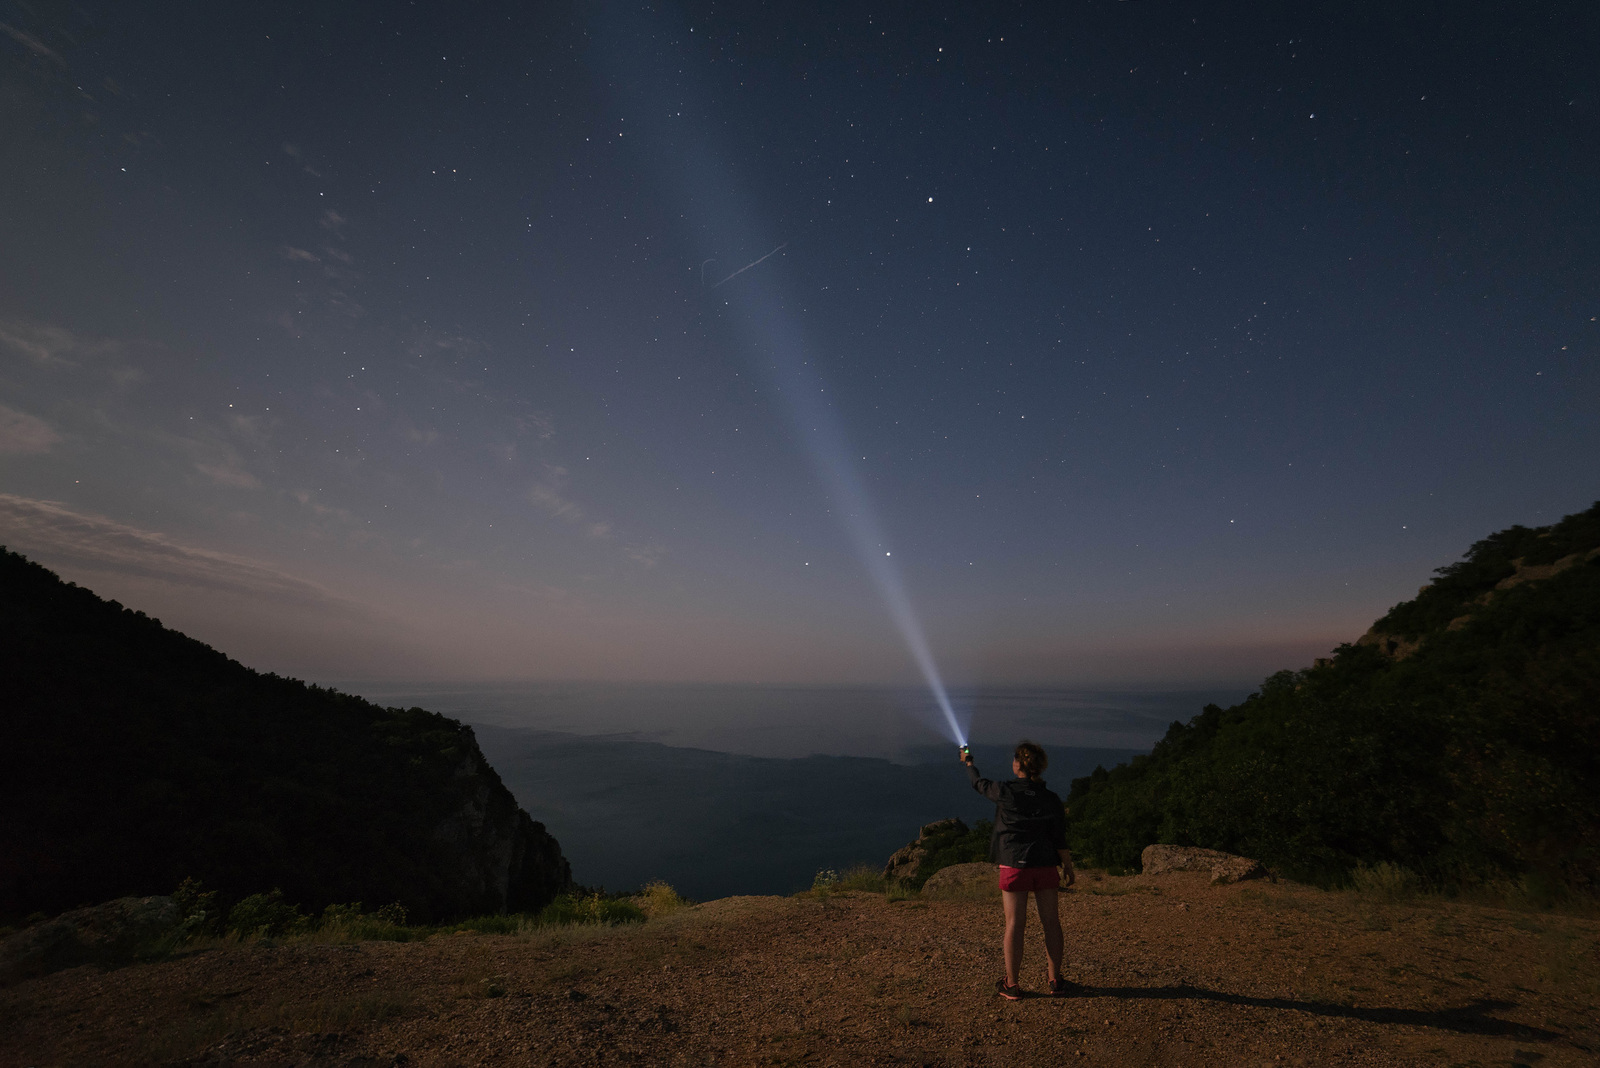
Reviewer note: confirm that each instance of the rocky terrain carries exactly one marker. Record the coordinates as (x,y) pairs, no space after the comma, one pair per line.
(1175,970)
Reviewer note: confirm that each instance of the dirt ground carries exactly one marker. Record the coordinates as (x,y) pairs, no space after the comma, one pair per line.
(1173,972)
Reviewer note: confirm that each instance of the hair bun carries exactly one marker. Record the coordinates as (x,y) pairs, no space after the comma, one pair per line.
(1031,759)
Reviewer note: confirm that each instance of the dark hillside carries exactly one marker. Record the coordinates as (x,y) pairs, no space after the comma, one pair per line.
(132,757)
(1459,738)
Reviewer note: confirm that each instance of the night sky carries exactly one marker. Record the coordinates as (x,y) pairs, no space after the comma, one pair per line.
(1160,344)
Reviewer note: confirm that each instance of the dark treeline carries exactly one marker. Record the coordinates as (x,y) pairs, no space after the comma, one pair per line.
(1458,739)
(133,757)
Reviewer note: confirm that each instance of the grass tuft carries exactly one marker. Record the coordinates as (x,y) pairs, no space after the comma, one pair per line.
(1385,882)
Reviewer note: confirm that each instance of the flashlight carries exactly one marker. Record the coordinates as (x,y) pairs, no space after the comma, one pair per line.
(966,752)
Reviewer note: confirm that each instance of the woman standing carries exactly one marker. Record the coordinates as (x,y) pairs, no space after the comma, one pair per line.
(1029,843)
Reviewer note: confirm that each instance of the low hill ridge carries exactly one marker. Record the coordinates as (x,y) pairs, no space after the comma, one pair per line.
(133,757)
(1459,738)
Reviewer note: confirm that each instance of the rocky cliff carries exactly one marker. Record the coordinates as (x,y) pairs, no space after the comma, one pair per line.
(133,757)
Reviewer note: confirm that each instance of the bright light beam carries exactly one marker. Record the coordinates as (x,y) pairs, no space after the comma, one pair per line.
(714,204)
(801,389)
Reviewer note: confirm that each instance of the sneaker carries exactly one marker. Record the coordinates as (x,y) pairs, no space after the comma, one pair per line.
(1060,988)
(1010,993)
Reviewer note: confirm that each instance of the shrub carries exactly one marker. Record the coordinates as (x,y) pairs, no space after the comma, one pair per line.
(349,923)
(1385,881)
(393,914)
(895,890)
(266,916)
(861,877)
(502,923)
(590,909)
(659,899)
(197,908)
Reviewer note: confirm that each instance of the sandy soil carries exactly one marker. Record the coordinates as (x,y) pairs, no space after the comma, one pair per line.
(1174,972)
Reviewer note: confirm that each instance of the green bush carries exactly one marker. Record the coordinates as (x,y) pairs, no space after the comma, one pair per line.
(896,890)
(198,910)
(591,909)
(658,899)
(1385,882)
(503,923)
(266,916)
(349,922)
(862,877)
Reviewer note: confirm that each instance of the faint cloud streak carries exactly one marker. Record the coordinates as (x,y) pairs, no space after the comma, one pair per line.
(24,434)
(50,346)
(55,532)
(551,496)
(32,44)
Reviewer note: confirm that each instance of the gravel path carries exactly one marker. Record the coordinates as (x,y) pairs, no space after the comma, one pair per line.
(1173,972)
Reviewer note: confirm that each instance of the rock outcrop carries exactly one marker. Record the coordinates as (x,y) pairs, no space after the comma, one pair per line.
(963,878)
(903,865)
(506,862)
(109,933)
(1223,867)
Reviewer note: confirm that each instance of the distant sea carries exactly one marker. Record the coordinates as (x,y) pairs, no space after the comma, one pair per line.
(738,789)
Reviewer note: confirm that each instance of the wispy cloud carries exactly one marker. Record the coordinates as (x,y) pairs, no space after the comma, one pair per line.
(51,346)
(308,500)
(229,472)
(21,433)
(536,424)
(57,534)
(645,555)
(215,457)
(32,44)
(551,496)
(300,254)
(290,323)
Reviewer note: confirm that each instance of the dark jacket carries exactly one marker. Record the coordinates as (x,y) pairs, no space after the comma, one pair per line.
(1029,823)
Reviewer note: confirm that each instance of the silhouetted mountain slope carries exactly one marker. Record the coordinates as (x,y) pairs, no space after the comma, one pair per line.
(1460,738)
(132,757)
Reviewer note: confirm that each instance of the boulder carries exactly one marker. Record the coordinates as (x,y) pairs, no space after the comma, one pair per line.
(905,861)
(903,865)
(108,933)
(963,877)
(1223,867)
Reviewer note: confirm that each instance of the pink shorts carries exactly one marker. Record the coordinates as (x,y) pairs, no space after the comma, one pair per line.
(1025,879)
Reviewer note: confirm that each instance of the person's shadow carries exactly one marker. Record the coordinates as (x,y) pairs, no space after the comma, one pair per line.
(1471,1019)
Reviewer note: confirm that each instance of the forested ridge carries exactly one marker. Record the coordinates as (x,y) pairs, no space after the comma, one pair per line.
(1459,739)
(133,757)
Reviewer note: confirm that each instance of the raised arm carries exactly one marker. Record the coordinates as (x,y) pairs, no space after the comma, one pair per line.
(987,787)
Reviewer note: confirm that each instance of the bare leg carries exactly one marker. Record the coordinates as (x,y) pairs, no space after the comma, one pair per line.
(1050,920)
(1016,904)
